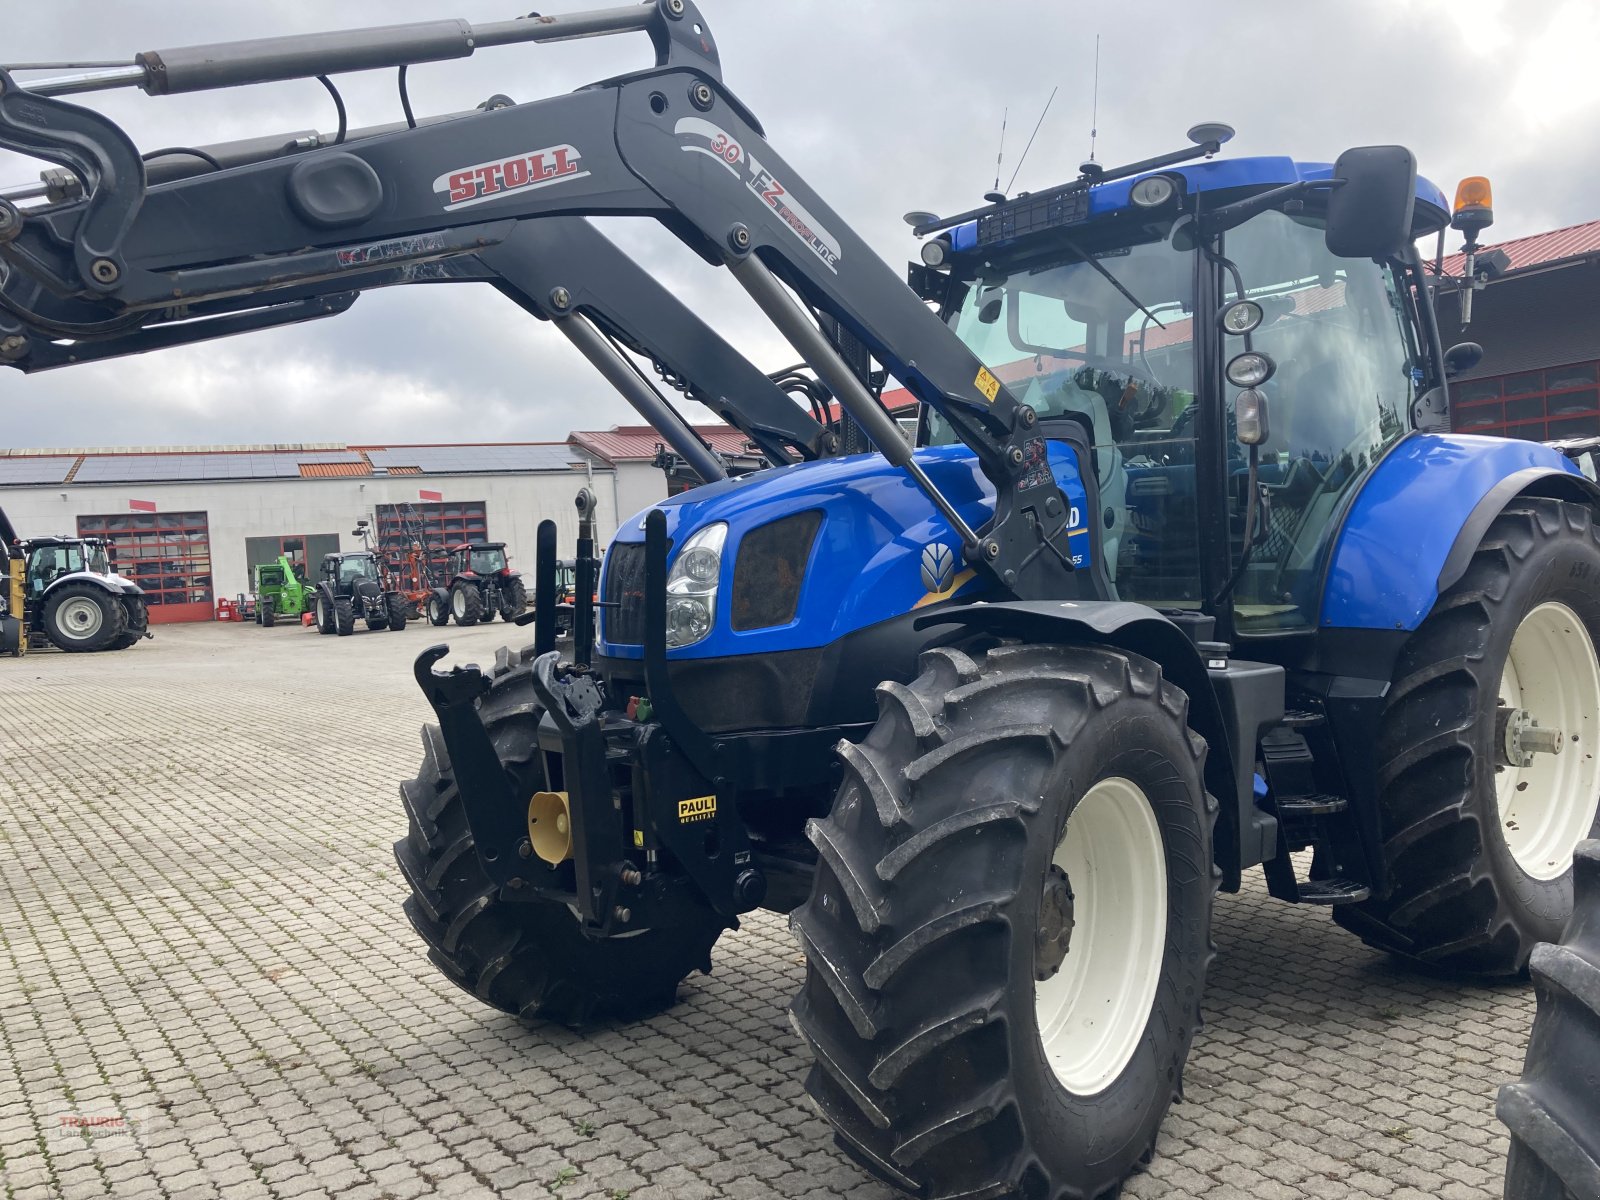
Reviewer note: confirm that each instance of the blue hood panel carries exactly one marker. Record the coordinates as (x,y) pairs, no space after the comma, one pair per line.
(1385,568)
(866,563)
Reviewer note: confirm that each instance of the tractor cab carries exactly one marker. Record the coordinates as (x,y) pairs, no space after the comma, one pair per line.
(346,570)
(1236,351)
(481,559)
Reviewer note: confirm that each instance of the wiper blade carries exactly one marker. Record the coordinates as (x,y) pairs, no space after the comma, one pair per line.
(1109,278)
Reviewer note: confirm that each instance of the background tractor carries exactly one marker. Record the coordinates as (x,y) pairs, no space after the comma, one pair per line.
(65,592)
(351,586)
(993,717)
(280,591)
(481,584)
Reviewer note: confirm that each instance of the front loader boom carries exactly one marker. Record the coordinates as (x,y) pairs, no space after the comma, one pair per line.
(670,143)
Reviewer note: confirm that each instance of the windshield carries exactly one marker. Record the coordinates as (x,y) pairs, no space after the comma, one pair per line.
(1339,332)
(488,562)
(1072,344)
(360,566)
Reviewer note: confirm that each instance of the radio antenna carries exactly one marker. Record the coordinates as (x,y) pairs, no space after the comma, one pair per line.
(1031,136)
(1000,157)
(1094,119)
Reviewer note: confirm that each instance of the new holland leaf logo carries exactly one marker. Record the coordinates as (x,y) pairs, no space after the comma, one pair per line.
(938,561)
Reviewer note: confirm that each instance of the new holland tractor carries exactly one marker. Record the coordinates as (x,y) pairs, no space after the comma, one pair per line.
(1185,575)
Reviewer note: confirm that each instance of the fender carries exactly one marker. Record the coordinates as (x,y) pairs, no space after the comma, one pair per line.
(1420,515)
(1532,481)
(1230,706)
(116,585)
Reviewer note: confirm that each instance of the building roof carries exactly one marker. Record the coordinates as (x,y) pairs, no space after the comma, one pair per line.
(1539,249)
(638,443)
(215,464)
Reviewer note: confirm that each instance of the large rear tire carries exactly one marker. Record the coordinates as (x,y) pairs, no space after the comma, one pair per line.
(529,958)
(1009,931)
(394,609)
(1479,849)
(1554,1113)
(81,618)
(438,607)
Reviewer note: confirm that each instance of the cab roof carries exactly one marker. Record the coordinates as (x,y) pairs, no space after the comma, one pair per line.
(1225,174)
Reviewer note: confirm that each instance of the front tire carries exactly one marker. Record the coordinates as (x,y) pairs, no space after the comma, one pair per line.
(344,616)
(513,600)
(1479,850)
(466,604)
(1009,931)
(394,607)
(138,620)
(326,621)
(527,958)
(1553,1114)
(82,618)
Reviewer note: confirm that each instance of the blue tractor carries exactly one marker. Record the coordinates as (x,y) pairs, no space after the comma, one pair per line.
(1183,576)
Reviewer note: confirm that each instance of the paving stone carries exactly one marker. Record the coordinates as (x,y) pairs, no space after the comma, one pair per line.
(203,934)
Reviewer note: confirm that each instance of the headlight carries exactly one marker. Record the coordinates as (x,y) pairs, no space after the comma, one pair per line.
(1152,191)
(692,586)
(1250,369)
(1241,317)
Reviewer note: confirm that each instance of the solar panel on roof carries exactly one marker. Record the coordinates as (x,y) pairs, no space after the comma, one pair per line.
(26,470)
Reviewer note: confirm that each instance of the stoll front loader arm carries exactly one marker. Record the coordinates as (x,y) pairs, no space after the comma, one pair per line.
(129,265)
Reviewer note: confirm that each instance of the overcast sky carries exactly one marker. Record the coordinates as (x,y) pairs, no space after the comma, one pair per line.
(883,105)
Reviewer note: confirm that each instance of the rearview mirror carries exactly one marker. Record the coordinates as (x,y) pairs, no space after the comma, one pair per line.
(1463,356)
(1369,214)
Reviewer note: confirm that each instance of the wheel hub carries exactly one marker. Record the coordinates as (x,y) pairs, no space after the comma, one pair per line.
(1519,736)
(1054,935)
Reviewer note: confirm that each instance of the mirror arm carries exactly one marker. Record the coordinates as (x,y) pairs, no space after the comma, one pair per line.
(1229,216)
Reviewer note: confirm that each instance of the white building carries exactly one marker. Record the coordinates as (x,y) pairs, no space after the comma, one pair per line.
(190,522)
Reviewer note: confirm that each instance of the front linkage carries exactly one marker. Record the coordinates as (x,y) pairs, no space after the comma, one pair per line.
(636,822)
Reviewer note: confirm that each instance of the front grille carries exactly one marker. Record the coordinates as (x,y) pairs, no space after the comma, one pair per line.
(624,587)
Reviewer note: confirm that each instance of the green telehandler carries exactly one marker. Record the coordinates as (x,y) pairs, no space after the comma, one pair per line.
(280,592)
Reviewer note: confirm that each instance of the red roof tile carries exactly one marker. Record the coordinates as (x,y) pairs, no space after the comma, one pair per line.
(1575,241)
(637,443)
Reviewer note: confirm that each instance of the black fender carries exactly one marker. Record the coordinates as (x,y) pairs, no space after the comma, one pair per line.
(1550,482)
(1253,692)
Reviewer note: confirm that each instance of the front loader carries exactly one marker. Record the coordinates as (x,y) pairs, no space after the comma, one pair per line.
(1186,574)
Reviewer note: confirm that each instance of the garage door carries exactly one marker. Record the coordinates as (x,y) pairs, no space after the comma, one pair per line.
(167,554)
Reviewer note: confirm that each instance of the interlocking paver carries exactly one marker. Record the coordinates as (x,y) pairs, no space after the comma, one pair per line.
(200,932)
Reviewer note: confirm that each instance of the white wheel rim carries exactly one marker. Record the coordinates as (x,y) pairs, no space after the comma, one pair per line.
(1092,1013)
(1548,807)
(322,611)
(458,602)
(80,618)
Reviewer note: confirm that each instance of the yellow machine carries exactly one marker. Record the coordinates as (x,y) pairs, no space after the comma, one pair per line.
(13,639)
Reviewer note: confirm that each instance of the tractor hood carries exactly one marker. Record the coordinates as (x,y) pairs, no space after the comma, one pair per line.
(879,549)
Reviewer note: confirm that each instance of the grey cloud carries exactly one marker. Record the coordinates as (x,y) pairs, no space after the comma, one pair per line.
(884,107)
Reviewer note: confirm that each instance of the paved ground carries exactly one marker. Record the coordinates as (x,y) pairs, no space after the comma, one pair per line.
(207,987)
